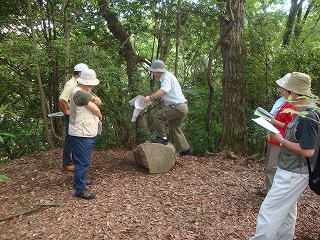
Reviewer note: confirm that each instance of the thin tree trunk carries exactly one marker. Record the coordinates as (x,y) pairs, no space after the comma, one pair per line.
(67,31)
(177,40)
(50,34)
(67,34)
(160,52)
(42,96)
(299,26)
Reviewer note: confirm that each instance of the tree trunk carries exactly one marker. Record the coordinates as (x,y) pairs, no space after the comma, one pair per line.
(131,58)
(42,95)
(234,86)
(67,31)
(50,35)
(290,22)
(177,41)
(223,34)
(119,32)
(298,28)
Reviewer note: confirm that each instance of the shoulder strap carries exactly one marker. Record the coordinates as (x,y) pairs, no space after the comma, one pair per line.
(308,162)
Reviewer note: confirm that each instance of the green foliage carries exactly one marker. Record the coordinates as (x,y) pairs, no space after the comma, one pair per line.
(31,203)
(91,42)
(4,178)
(194,126)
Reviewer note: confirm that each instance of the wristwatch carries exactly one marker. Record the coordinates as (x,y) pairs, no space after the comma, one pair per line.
(281,142)
(151,98)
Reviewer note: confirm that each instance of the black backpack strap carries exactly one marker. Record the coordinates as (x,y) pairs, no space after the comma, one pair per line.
(308,162)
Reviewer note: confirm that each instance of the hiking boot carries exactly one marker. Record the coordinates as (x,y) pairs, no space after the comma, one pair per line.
(189,151)
(160,140)
(89,182)
(69,168)
(262,193)
(86,195)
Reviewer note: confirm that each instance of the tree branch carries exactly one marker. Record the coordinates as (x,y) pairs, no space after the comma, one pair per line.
(36,209)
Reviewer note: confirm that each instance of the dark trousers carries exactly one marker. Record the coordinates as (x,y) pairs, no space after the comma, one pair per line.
(67,145)
(82,149)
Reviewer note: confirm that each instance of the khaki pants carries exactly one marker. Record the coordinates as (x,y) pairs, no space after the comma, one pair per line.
(278,212)
(174,115)
(272,163)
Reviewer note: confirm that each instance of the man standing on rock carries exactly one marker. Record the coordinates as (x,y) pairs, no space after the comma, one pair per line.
(175,110)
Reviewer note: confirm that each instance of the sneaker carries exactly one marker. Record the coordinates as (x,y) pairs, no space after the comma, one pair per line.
(160,140)
(189,151)
(69,168)
(86,195)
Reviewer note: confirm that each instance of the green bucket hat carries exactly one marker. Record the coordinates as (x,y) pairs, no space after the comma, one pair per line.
(299,83)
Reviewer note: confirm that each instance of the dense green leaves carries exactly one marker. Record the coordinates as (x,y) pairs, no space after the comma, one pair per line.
(151,26)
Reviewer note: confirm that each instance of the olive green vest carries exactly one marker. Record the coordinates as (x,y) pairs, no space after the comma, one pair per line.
(291,161)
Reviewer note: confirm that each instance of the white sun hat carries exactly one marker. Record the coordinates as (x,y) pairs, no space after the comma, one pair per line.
(80,67)
(88,77)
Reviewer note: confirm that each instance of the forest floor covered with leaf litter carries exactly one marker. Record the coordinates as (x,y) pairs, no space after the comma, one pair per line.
(211,197)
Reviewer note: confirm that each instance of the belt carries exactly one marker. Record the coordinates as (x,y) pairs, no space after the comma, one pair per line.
(176,104)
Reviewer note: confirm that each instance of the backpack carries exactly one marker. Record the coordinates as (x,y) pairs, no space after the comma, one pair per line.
(314,176)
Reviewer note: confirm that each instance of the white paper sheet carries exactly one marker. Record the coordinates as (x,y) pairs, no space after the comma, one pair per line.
(265,124)
(139,104)
(57,114)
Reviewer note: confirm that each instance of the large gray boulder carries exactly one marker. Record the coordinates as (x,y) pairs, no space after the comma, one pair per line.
(156,157)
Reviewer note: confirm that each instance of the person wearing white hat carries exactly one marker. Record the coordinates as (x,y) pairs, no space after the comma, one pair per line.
(64,101)
(280,121)
(278,104)
(175,110)
(83,128)
(278,212)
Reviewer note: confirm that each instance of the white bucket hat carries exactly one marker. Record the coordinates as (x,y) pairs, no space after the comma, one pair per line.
(157,66)
(80,67)
(88,77)
(283,80)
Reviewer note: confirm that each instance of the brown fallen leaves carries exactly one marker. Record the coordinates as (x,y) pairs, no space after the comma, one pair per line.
(213,197)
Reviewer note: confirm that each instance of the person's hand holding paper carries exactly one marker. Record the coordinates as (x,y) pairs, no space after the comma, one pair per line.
(139,104)
(277,137)
(265,124)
